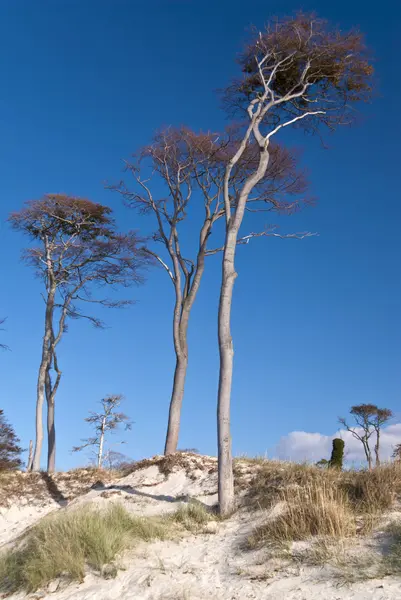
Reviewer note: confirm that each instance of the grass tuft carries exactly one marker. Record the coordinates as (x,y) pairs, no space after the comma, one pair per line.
(307,512)
(64,544)
(192,516)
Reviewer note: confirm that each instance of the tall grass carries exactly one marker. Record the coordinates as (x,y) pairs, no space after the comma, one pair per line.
(65,543)
(310,511)
(367,491)
(192,516)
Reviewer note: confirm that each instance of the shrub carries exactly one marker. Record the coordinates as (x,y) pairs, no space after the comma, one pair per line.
(192,516)
(337,454)
(10,451)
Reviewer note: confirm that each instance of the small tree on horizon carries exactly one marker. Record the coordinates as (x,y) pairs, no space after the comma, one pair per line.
(10,450)
(337,454)
(107,420)
(369,419)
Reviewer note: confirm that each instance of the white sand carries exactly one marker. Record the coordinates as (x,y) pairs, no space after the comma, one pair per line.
(206,566)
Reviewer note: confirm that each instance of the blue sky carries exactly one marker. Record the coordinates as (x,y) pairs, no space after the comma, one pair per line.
(316,323)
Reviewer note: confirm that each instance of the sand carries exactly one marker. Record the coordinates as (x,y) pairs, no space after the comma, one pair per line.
(206,566)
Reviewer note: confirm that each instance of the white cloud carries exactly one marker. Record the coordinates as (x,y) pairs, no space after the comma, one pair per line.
(304,446)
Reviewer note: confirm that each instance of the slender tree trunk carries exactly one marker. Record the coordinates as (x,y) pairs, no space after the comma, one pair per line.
(101,443)
(226,350)
(368,453)
(30,456)
(181,365)
(43,368)
(226,479)
(51,430)
(377,447)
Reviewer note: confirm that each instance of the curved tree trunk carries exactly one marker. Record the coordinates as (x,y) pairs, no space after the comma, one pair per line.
(226,350)
(174,417)
(180,373)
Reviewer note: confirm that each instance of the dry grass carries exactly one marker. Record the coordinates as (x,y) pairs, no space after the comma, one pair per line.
(314,510)
(66,543)
(39,487)
(368,492)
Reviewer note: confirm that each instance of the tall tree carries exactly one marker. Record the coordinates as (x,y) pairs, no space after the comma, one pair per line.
(108,419)
(189,168)
(10,450)
(299,72)
(77,251)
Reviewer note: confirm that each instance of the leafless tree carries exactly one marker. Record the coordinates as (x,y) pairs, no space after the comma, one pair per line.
(397,452)
(190,168)
(367,423)
(115,460)
(78,250)
(106,420)
(296,72)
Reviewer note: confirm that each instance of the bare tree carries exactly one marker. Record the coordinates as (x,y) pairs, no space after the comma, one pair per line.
(115,460)
(191,168)
(296,72)
(363,415)
(103,422)
(397,452)
(78,251)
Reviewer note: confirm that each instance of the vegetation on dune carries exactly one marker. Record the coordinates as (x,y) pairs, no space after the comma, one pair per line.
(66,543)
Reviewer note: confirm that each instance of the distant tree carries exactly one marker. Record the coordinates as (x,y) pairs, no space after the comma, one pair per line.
(114,460)
(296,72)
(323,463)
(382,416)
(108,420)
(77,250)
(180,171)
(369,420)
(397,452)
(337,454)
(10,450)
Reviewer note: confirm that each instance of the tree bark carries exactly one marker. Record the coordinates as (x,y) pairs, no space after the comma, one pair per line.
(30,456)
(377,447)
(226,479)
(43,369)
(51,429)
(101,443)
(181,365)
(226,350)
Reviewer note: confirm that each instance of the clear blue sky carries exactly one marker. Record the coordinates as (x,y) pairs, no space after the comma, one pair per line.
(316,323)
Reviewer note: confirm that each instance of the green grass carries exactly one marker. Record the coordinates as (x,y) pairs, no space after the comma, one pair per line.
(192,516)
(67,543)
